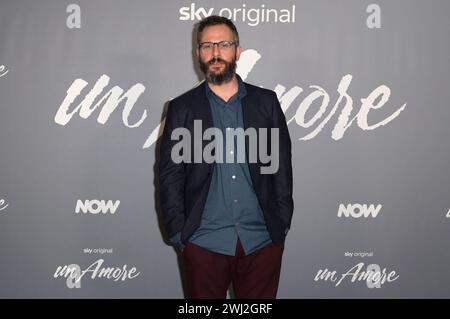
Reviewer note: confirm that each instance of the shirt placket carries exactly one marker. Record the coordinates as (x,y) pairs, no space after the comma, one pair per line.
(231,123)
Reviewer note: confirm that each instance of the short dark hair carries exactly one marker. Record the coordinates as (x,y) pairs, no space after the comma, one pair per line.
(216,20)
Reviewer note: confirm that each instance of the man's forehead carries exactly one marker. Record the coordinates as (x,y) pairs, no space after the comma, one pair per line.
(217,31)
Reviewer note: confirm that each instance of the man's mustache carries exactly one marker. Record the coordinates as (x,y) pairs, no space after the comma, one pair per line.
(215,60)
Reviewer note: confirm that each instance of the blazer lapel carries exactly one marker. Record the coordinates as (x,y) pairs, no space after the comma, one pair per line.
(250,114)
(202,107)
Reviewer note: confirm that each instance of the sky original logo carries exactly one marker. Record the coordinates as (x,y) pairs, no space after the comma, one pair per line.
(251,16)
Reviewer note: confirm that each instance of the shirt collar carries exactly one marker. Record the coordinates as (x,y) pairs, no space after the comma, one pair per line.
(242,91)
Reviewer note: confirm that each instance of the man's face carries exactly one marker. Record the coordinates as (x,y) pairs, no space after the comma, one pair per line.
(218,65)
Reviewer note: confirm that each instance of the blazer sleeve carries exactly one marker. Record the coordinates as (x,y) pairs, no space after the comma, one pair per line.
(282,179)
(171,177)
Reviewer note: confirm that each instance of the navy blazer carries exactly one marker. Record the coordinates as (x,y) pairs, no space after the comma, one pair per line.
(184,186)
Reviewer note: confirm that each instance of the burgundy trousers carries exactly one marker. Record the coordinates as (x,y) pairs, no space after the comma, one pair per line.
(209,274)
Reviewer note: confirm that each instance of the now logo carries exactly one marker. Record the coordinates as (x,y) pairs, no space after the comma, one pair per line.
(96,206)
(358,210)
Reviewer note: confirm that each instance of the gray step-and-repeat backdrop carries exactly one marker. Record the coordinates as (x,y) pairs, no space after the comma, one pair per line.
(83,90)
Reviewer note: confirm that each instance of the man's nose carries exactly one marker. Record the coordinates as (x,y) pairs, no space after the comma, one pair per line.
(215,49)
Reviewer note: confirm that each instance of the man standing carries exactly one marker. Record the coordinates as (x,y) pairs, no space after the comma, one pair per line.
(228,219)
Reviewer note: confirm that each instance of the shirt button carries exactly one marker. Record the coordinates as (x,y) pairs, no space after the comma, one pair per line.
(235,201)
(237,224)
(231,152)
(233,177)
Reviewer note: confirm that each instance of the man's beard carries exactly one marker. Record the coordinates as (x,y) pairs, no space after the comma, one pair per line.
(218,78)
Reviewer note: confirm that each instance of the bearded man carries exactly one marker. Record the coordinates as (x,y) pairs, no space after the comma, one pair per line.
(228,219)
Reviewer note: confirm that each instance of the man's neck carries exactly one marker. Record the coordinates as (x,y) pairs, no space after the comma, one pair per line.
(225,90)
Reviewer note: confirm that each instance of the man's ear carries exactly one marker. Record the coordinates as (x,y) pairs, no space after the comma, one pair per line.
(238,52)
(197,51)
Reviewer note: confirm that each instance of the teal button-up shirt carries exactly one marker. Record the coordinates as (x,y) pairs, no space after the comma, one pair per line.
(231,210)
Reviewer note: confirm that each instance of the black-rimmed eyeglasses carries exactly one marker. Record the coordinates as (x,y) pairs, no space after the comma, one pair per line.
(222,45)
